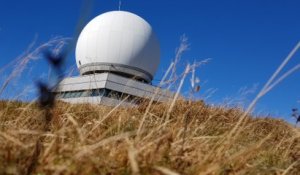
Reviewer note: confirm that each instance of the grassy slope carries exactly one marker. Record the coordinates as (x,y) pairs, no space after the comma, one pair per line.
(86,139)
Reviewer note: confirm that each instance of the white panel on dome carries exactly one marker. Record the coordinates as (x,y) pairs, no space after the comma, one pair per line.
(113,49)
(91,46)
(102,46)
(126,45)
(118,22)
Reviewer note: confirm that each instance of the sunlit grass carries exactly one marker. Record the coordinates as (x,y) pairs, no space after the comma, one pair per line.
(188,143)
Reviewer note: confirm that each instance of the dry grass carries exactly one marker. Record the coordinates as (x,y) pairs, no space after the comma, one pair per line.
(190,142)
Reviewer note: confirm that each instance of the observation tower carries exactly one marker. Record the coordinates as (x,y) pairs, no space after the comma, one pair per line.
(117,54)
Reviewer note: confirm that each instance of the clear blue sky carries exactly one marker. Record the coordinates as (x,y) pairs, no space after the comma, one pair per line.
(246,40)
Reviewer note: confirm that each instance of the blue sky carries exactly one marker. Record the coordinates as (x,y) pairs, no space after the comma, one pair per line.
(246,40)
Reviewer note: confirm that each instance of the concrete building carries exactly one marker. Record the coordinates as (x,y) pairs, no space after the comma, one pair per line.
(117,54)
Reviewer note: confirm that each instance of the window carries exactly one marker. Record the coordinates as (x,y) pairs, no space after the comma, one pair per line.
(67,95)
(99,93)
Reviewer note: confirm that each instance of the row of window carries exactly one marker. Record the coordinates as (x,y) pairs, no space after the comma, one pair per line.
(97,93)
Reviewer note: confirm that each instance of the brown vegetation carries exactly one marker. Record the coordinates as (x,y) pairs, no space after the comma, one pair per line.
(88,139)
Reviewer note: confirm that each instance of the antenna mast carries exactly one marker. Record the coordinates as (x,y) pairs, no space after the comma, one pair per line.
(120,4)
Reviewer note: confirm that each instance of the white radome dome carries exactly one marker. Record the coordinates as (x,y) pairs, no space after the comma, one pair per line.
(120,42)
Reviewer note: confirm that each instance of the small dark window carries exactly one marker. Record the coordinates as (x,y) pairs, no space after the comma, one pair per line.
(95,92)
(68,95)
(79,62)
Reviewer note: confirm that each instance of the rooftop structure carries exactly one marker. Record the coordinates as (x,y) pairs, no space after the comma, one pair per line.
(119,42)
(117,54)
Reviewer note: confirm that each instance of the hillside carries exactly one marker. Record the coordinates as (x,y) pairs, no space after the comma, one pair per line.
(194,138)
